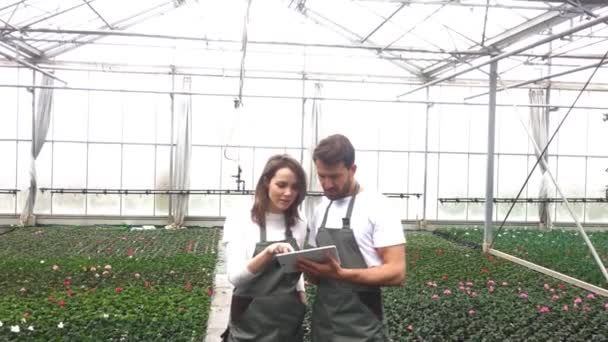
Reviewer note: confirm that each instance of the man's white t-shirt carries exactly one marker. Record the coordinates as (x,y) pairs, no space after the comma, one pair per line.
(373,222)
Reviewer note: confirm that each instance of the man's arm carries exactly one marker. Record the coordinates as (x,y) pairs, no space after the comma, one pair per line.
(390,273)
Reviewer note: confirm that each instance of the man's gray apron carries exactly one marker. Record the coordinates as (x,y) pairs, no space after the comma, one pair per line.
(268,308)
(343,311)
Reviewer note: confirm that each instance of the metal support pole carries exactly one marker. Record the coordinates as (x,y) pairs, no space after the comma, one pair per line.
(487,229)
(426,157)
(172,142)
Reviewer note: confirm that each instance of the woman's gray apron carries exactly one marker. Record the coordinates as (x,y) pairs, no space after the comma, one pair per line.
(343,311)
(268,308)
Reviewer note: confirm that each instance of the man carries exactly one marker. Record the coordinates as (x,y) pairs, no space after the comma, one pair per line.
(371,247)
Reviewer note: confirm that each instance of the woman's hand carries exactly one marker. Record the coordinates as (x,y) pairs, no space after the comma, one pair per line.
(279,247)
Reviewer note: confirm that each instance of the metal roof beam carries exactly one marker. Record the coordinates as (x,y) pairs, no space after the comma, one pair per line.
(504,55)
(98,15)
(161,9)
(356,39)
(510,36)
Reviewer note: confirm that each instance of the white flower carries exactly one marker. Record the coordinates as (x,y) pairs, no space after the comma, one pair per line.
(105,315)
(1,324)
(23,320)
(60,325)
(30,328)
(15,328)
(42,261)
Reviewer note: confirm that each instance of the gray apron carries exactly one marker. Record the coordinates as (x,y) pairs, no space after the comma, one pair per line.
(343,311)
(268,308)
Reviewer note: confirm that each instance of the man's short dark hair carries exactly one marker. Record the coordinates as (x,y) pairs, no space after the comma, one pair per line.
(335,149)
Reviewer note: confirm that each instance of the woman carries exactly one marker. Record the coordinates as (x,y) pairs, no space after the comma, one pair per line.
(267,304)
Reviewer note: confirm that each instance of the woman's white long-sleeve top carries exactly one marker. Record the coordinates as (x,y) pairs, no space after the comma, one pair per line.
(241,235)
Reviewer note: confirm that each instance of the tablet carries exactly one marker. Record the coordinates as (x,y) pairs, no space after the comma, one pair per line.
(288,260)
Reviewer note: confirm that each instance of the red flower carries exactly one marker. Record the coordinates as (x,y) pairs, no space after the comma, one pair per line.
(188,287)
(439,252)
(484,271)
(444,277)
(210,292)
(52,299)
(187,249)
(561,286)
(69,292)
(491,258)
(118,290)
(66,282)
(147,283)
(61,303)
(130,252)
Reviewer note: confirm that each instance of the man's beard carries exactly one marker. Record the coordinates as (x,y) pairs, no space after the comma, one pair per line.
(342,192)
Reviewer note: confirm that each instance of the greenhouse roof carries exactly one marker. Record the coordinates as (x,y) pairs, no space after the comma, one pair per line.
(421,38)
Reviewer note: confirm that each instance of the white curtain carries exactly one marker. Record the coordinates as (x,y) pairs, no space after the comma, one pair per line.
(312,121)
(539,124)
(182,154)
(40,129)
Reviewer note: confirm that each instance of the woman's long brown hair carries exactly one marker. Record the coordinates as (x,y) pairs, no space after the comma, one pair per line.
(262,201)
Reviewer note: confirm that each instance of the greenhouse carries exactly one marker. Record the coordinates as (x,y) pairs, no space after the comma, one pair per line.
(132,132)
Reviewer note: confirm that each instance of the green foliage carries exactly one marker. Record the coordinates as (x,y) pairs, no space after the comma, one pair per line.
(106,284)
(483,302)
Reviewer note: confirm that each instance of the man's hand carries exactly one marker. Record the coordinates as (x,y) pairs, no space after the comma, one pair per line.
(329,269)
(302,297)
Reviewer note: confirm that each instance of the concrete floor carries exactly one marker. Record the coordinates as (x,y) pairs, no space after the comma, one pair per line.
(220,301)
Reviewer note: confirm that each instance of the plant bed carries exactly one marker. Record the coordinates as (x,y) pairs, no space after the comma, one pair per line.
(456,293)
(561,250)
(92,283)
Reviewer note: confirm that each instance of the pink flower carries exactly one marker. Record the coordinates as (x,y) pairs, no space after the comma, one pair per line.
(474,294)
(471,312)
(431,284)
(61,303)
(69,292)
(491,289)
(591,296)
(66,282)
(523,295)
(469,283)
(447,292)
(118,289)
(210,292)
(504,283)
(544,309)
(546,286)
(566,308)
(554,297)
(577,300)
(490,282)
(410,328)
(586,308)
(561,286)
(461,288)
(434,297)
(55,267)
(484,270)
(606,306)
(491,257)
(52,299)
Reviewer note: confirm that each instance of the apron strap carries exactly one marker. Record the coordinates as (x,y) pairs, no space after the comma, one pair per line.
(263,232)
(325,216)
(288,232)
(349,211)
